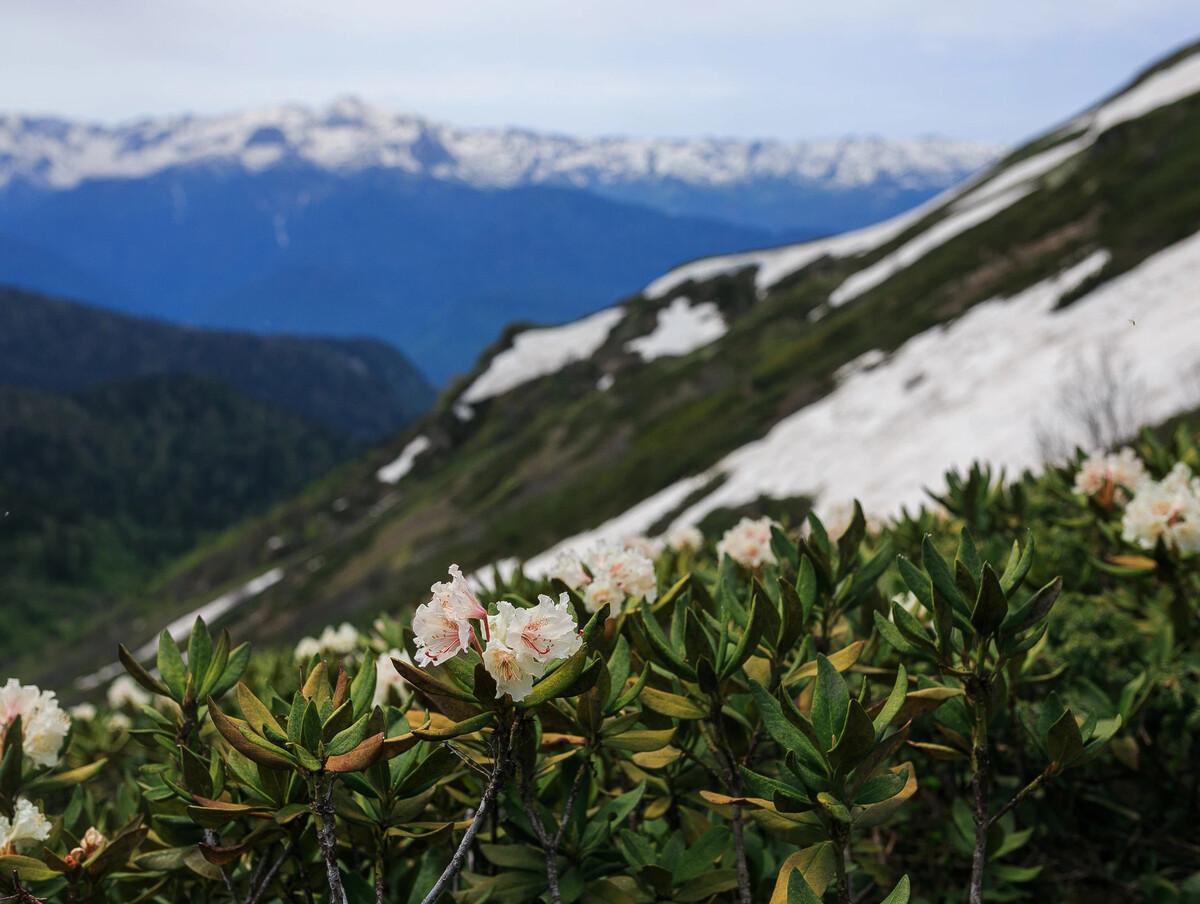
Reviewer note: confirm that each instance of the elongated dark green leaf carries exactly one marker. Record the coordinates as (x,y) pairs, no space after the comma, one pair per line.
(701,854)
(899,894)
(662,647)
(831,703)
(467,726)
(890,633)
(856,739)
(912,630)
(199,652)
(918,582)
(672,704)
(968,554)
(748,642)
(216,665)
(785,733)
(1019,563)
(1034,609)
(170,666)
(427,684)
(362,688)
(139,674)
(991,607)
(239,658)
(557,682)
(940,575)
(349,738)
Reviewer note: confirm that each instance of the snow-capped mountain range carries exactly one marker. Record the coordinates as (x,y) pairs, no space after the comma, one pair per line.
(354,220)
(349,135)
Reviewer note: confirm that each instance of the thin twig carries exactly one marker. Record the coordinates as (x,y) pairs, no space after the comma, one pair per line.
(213,840)
(485,804)
(1023,793)
(270,876)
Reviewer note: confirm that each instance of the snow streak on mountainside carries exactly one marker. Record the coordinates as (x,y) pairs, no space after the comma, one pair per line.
(990,193)
(980,389)
(349,135)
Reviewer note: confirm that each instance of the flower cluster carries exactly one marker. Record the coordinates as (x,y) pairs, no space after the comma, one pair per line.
(339,641)
(608,574)
(749,543)
(124,691)
(386,676)
(521,642)
(27,824)
(1110,476)
(44,725)
(685,539)
(1168,509)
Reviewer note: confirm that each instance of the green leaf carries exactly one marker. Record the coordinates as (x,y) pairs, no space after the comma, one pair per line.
(27,868)
(199,652)
(806,587)
(358,759)
(899,894)
(466,726)
(254,710)
(798,891)
(991,607)
(702,888)
(1018,565)
(1034,609)
(170,666)
(362,688)
(216,665)
(239,658)
(831,703)
(702,854)
(943,580)
(672,704)
(748,642)
(427,684)
(892,706)
(611,816)
(917,581)
(661,646)
(558,682)
(814,866)
(1064,743)
(349,738)
(891,634)
(967,552)
(640,741)
(139,674)
(912,630)
(856,740)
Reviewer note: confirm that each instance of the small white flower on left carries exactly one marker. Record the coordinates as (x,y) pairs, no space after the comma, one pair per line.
(28,824)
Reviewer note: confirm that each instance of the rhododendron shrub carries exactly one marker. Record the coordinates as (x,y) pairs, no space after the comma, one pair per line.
(790,714)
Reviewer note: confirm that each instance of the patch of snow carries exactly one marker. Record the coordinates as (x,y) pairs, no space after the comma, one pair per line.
(463,411)
(775,264)
(913,250)
(681,328)
(181,628)
(977,388)
(606,382)
(540,352)
(636,521)
(1023,172)
(1159,90)
(403,463)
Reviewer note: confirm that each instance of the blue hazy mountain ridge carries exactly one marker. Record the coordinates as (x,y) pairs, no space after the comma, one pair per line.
(436,269)
(435,258)
(360,389)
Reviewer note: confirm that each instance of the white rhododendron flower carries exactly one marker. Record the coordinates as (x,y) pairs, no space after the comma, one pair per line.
(386,676)
(124,691)
(617,573)
(307,648)
(645,545)
(1169,509)
(524,641)
(443,625)
(28,824)
(685,539)
(44,725)
(545,633)
(749,543)
(1110,473)
(82,712)
(568,569)
(513,674)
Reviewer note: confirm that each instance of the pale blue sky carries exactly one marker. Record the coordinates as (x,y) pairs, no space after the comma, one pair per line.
(752,69)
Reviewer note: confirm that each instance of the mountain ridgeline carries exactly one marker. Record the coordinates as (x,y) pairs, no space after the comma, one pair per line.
(861,365)
(355,221)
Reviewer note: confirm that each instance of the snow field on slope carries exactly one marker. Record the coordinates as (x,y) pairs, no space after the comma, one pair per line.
(681,328)
(775,264)
(540,352)
(977,389)
(394,470)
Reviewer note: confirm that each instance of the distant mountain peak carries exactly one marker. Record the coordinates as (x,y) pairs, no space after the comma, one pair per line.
(349,134)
